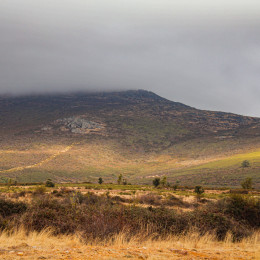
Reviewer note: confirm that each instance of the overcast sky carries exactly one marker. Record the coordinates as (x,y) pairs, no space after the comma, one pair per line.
(205,54)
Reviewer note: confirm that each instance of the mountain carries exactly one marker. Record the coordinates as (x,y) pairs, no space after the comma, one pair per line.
(82,136)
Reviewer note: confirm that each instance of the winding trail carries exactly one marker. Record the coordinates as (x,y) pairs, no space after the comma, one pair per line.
(20,168)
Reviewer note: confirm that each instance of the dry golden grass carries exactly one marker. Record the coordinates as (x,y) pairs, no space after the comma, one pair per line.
(43,245)
(97,155)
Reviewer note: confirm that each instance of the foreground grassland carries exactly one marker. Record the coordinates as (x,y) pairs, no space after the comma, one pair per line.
(108,221)
(44,245)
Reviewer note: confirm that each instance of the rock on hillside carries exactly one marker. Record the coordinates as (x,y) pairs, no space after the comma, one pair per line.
(79,125)
(74,124)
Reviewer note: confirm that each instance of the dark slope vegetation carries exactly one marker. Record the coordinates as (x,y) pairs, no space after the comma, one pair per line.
(132,124)
(140,118)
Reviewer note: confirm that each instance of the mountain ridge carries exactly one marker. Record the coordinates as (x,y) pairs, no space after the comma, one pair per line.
(136,132)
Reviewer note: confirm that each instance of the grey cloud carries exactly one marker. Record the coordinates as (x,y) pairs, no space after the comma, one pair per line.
(204,55)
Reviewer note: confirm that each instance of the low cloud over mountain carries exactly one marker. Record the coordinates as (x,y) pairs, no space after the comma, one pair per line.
(206,54)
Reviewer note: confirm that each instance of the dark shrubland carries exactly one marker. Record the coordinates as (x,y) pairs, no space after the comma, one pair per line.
(101,217)
(8,208)
(242,208)
(157,200)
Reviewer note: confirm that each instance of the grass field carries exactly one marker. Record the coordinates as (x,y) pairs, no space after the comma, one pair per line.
(225,172)
(44,245)
(88,160)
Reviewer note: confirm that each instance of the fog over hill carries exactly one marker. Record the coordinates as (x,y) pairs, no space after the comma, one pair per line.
(203,53)
(33,111)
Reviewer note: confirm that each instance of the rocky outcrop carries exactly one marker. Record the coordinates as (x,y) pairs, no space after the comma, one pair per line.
(75,124)
(79,125)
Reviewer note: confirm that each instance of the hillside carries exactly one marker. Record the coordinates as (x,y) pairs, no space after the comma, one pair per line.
(82,136)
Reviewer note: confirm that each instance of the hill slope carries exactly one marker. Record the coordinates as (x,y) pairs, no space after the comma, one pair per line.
(79,137)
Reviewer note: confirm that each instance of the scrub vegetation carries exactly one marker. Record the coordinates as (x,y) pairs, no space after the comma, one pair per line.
(99,214)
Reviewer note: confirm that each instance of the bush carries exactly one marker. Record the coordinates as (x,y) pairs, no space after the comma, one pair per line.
(49,183)
(57,193)
(156,182)
(22,193)
(238,191)
(157,200)
(174,201)
(120,178)
(103,216)
(120,199)
(176,185)
(150,199)
(65,190)
(40,190)
(199,190)
(100,180)
(163,182)
(247,184)
(46,212)
(245,164)
(207,221)
(244,209)
(8,208)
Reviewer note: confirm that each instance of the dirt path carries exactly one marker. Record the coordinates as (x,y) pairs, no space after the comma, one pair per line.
(123,252)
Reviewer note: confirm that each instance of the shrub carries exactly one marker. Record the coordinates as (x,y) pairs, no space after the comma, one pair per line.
(103,216)
(243,208)
(49,183)
(22,193)
(119,180)
(46,212)
(163,182)
(207,221)
(125,193)
(100,180)
(156,182)
(150,199)
(247,184)
(119,199)
(176,185)
(8,208)
(174,201)
(40,190)
(57,193)
(245,164)
(238,191)
(65,190)
(199,190)
(79,197)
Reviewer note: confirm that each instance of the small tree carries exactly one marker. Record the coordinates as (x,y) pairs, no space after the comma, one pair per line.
(176,185)
(247,184)
(124,181)
(198,190)
(120,178)
(156,182)
(49,183)
(164,181)
(245,164)
(9,183)
(100,180)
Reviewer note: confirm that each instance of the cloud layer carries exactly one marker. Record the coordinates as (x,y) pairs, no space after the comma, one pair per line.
(202,53)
